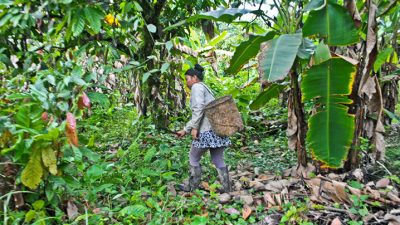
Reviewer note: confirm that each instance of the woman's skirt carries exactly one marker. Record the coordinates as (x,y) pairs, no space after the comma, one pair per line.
(208,139)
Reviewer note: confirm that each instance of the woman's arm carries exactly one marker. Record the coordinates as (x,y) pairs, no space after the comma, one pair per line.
(197,105)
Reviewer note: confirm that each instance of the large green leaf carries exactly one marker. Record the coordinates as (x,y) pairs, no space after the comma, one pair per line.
(78,23)
(331,128)
(279,56)
(223,15)
(247,50)
(332,22)
(332,77)
(330,135)
(94,17)
(264,97)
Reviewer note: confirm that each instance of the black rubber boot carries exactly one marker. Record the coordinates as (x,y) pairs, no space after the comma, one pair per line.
(223,175)
(194,180)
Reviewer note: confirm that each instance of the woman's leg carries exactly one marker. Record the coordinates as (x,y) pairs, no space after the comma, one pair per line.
(195,155)
(195,169)
(217,157)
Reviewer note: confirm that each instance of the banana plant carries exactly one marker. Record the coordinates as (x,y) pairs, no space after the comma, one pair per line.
(333,24)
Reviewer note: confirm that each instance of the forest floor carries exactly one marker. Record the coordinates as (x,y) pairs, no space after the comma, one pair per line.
(127,171)
(144,165)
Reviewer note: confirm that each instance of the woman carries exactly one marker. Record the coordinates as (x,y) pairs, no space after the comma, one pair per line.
(203,136)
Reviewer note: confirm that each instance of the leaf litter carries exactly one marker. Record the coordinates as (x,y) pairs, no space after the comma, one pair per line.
(332,199)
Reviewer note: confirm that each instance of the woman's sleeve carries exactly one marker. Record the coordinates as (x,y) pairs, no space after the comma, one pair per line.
(197,105)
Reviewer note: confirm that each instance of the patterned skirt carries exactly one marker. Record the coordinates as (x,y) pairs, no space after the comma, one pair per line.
(209,139)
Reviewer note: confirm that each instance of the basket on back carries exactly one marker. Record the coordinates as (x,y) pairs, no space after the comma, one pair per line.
(224,116)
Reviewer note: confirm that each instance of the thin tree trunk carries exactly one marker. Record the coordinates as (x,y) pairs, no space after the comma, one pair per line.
(296,121)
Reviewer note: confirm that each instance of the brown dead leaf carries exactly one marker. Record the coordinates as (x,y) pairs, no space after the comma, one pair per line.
(241,174)
(358,174)
(205,185)
(256,185)
(224,198)
(348,59)
(247,199)
(369,87)
(96,210)
(83,101)
(268,199)
(374,193)
(246,212)
(352,8)
(340,189)
(336,221)
(285,195)
(265,177)
(279,185)
(329,192)
(72,210)
(382,183)
(232,211)
(392,196)
(278,199)
(70,130)
(305,171)
(354,191)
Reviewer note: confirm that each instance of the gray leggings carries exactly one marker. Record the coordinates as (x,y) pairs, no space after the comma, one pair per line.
(217,156)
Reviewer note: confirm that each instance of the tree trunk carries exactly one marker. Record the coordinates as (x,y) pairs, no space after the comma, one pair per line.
(297,125)
(367,97)
(390,92)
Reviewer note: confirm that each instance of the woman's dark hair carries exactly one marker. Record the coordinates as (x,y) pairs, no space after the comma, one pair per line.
(197,71)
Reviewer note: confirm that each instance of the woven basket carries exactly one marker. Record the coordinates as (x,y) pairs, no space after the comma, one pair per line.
(224,116)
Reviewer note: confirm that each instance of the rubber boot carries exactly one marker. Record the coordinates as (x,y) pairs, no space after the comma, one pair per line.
(194,180)
(223,175)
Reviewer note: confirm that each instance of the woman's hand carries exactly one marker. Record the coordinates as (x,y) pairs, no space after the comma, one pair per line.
(194,134)
(181,133)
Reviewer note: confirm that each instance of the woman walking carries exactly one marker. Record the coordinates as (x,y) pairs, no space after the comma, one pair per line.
(204,138)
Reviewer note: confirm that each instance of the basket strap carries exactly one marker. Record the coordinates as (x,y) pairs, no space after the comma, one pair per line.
(209,90)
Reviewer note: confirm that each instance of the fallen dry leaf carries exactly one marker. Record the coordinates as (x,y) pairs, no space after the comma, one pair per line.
(232,211)
(382,183)
(340,190)
(205,185)
(246,211)
(224,198)
(247,199)
(96,210)
(336,221)
(72,210)
(269,200)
